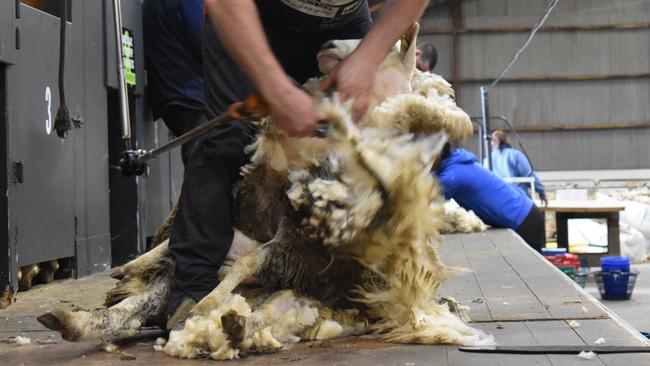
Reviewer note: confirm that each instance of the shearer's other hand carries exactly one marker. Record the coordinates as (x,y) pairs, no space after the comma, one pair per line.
(353,79)
(294,111)
(544,201)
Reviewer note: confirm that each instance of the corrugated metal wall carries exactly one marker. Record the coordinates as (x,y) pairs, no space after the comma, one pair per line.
(619,58)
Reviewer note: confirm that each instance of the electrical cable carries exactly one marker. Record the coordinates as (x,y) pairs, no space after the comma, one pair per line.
(62,123)
(521,145)
(547,12)
(540,23)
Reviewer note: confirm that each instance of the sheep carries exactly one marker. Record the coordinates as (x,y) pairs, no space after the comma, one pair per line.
(350,228)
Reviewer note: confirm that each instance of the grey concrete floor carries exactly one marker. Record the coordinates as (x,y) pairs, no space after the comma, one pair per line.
(635,311)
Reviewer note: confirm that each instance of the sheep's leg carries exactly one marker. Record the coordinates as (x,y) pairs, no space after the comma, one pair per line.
(146,260)
(437,325)
(28,274)
(335,324)
(456,308)
(123,319)
(243,268)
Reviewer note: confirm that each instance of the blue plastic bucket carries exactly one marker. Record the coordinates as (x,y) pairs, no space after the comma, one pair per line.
(615,264)
(553,251)
(616,285)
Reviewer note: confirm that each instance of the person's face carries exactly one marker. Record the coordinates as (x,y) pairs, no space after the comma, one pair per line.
(422,65)
(419,63)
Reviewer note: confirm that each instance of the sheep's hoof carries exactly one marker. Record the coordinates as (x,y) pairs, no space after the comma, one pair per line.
(48,269)
(118,273)
(28,274)
(234,326)
(246,170)
(60,321)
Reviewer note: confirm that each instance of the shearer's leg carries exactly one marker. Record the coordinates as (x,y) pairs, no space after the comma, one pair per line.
(202,232)
(180,119)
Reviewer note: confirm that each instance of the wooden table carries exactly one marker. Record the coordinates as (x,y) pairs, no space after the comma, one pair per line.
(565,210)
(513,294)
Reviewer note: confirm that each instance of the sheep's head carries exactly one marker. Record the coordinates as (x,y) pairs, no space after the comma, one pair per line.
(401,56)
(334,51)
(394,74)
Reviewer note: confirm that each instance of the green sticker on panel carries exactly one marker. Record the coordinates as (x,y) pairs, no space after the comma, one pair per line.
(128,56)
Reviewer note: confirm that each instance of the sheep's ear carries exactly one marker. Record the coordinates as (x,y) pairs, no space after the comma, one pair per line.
(408,47)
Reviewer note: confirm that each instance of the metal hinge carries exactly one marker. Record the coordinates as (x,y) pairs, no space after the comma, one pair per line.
(18,172)
(17,40)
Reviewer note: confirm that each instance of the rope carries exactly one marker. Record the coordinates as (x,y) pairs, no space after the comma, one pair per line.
(540,23)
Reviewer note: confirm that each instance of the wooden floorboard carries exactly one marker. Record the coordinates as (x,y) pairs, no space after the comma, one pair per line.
(463,287)
(614,335)
(514,333)
(507,296)
(558,332)
(557,292)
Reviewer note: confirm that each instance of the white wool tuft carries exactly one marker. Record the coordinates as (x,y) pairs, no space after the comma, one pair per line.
(21,341)
(203,334)
(422,114)
(586,355)
(159,345)
(426,83)
(282,318)
(641,195)
(329,329)
(459,220)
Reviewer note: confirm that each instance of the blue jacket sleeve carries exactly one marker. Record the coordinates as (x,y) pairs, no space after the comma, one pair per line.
(522,168)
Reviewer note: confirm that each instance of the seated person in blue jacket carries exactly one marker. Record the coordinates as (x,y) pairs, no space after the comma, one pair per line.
(496,202)
(508,162)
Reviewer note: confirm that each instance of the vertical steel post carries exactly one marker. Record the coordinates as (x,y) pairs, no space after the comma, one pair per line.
(486,125)
(124,96)
(478,122)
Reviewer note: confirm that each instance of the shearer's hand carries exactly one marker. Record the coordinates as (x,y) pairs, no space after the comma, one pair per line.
(544,201)
(293,110)
(353,79)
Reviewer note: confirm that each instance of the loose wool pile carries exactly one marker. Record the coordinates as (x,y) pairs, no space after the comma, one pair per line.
(460,221)
(641,195)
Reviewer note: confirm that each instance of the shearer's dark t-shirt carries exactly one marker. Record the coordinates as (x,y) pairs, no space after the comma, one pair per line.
(295,29)
(310,14)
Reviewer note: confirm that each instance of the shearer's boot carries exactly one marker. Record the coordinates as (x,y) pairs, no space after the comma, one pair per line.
(181,313)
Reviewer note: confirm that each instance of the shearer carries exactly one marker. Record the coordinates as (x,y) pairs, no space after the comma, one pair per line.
(427,57)
(494,201)
(265,46)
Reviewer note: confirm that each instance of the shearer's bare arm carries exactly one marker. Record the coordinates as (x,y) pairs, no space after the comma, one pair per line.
(239,27)
(290,107)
